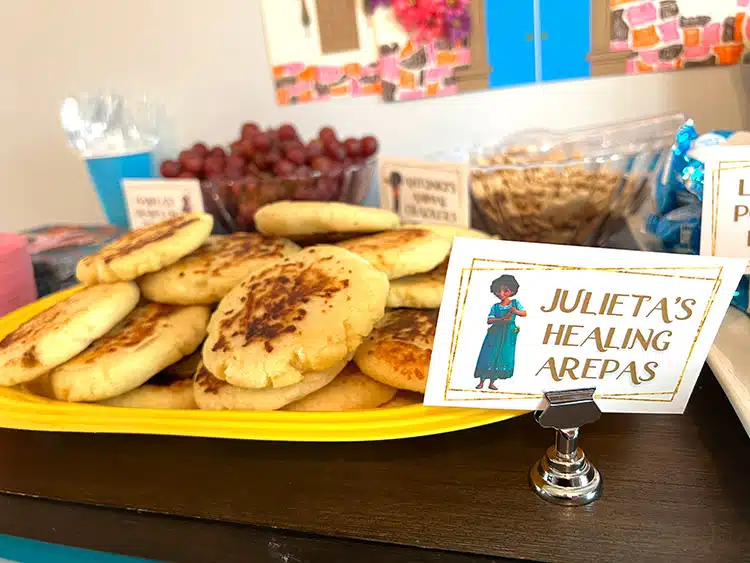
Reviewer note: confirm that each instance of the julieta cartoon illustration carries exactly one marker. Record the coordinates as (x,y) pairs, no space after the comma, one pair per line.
(497,358)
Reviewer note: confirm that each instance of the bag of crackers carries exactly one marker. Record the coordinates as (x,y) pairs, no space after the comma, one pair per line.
(568,187)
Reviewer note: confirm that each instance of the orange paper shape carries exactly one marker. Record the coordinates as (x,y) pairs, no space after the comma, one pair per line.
(643,67)
(372,88)
(432,89)
(447,58)
(645,37)
(353,69)
(692,36)
(278,72)
(310,73)
(282,97)
(739,25)
(408,50)
(615,3)
(729,54)
(342,90)
(305,97)
(406,79)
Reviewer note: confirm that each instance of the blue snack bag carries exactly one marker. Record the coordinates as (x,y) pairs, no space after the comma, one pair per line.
(679,230)
(741,299)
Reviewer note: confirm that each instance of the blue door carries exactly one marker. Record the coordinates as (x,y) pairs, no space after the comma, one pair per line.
(510,38)
(565,38)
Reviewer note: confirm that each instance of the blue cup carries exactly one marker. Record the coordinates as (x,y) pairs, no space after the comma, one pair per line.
(107,173)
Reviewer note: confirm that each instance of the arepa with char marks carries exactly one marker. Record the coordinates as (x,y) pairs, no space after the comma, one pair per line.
(398,351)
(351,390)
(401,253)
(420,291)
(64,330)
(305,313)
(163,391)
(205,276)
(146,250)
(303,220)
(148,340)
(212,393)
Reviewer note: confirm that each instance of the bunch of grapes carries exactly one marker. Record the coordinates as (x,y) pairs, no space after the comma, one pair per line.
(275,164)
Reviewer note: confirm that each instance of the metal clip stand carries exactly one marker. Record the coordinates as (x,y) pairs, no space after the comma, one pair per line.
(564,475)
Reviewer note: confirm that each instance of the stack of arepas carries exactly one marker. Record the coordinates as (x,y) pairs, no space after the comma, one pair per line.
(329,307)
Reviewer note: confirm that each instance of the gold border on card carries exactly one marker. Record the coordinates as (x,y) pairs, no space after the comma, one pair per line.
(715,190)
(652,397)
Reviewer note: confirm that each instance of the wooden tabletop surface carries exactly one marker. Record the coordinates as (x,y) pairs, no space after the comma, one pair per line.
(675,489)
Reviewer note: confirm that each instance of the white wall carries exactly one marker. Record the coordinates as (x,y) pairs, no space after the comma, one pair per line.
(206,61)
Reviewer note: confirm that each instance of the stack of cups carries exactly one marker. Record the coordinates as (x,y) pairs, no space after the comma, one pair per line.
(17,285)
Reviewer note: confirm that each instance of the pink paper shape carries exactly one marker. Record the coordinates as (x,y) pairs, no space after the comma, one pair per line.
(661,66)
(370,70)
(463,56)
(300,87)
(712,34)
(410,95)
(449,91)
(616,46)
(743,3)
(293,69)
(438,73)
(329,74)
(354,87)
(389,68)
(670,31)
(431,52)
(649,56)
(630,67)
(640,15)
(697,52)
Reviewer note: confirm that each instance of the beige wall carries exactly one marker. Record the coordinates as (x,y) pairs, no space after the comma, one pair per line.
(206,61)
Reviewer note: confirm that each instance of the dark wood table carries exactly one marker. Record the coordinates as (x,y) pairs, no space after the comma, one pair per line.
(675,490)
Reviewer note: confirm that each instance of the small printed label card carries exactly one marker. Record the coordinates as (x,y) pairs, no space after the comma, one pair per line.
(725,224)
(151,201)
(520,319)
(425,191)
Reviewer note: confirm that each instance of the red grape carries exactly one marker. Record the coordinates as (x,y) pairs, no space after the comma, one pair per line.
(235,173)
(303,173)
(353,147)
(273,156)
(261,160)
(213,165)
(192,163)
(287,132)
(314,149)
(170,169)
(273,135)
(335,150)
(249,130)
(262,142)
(321,164)
(369,146)
(284,168)
(218,152)
(296,155)
(235,147)
(327,133)
(186,174)
(236,161)
(200,148)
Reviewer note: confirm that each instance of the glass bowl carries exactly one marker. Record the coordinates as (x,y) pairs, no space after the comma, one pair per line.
(233,202)
(573,188)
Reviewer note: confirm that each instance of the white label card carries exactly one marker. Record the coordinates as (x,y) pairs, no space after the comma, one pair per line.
(151,201)
(425,192)
(520,319)
(725,223)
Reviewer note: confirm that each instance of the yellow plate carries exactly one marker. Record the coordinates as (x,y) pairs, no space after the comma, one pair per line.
(25,411)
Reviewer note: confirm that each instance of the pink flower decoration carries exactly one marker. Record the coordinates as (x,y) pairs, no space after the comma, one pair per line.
(456,8)
(410,13)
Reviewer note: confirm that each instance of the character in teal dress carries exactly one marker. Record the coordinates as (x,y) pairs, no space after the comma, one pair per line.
(497,358)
